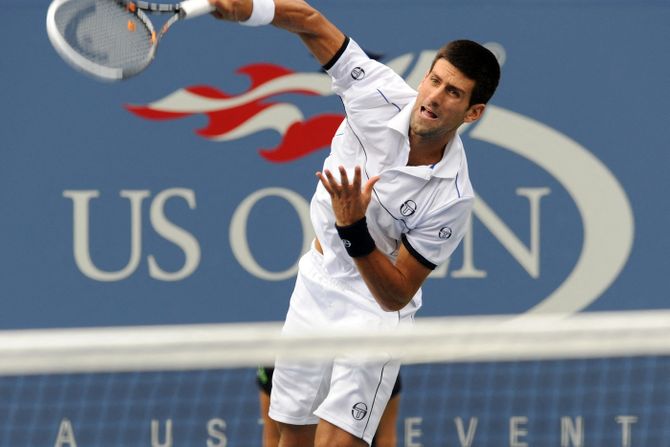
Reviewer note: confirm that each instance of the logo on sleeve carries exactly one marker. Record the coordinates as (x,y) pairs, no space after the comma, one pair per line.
(359,410)
(358,73)
(445,233)
(408,208)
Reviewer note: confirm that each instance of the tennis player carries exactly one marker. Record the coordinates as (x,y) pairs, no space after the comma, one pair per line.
(392,203)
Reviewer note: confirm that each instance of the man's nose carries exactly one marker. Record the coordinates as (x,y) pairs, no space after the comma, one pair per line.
(435,96)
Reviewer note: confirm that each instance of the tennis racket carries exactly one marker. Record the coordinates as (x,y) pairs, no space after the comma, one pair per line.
(112,39)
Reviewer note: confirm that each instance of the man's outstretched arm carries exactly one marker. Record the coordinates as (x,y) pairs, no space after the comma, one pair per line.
(322,38)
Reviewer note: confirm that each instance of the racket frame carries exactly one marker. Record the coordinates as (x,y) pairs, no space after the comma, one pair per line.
(135,8)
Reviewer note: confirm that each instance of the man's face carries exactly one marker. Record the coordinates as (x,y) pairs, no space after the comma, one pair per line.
(442,103)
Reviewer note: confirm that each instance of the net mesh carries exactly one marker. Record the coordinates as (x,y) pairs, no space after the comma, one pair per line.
(104,32)
(512,398)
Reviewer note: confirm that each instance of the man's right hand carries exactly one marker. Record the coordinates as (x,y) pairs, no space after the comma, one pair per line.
(322,38)
(232,10)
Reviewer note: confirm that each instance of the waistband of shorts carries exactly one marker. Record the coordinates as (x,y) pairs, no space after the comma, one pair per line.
(355,286)
(317,265)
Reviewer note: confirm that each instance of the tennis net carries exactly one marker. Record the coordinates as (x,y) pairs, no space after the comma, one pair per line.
(591,379)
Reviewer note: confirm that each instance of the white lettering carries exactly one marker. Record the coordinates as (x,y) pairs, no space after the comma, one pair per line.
(605,210)
(466,439)
(167,229)
(413,431)
(175,234)
(155,438)
(65,434)
(468,269)
(82,254)
(238,231)
(216,429)
(626,422)
(528,258)
(517,429)
(572,432)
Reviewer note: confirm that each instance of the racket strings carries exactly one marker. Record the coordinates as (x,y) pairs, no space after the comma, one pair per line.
(106,33)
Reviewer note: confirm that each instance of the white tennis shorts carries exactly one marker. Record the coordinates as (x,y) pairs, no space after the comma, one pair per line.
(348,393)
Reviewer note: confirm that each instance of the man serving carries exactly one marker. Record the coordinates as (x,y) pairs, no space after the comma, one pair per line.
(391,204)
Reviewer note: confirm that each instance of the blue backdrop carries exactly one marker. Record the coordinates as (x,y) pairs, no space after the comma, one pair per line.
(180,195)
(569,165)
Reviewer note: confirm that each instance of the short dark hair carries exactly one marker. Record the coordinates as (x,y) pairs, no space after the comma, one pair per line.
(477,63)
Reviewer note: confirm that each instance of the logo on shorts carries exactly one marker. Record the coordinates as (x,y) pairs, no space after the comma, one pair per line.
(358,73)
(445,233)
(359,411)
(408,208)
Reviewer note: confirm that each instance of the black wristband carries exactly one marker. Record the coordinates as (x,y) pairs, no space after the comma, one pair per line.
(356,238)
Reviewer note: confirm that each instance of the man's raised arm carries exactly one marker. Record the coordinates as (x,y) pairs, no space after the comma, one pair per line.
(322,38)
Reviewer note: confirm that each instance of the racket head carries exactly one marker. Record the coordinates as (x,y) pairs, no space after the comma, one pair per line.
(107,39)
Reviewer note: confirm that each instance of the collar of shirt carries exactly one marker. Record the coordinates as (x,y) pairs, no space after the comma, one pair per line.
(453,154)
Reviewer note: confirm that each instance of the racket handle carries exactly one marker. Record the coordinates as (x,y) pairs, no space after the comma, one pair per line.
(195,8)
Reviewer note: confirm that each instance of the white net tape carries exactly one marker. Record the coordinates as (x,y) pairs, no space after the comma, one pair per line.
(448,339)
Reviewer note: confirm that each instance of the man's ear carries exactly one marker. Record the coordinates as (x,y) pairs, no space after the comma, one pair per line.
(474,113)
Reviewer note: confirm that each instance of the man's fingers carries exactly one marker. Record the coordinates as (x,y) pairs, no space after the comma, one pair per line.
(325,182)
(343,176)
(334,187)
(357,178)
(370,184)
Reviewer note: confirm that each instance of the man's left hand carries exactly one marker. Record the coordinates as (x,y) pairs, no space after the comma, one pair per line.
(350,201)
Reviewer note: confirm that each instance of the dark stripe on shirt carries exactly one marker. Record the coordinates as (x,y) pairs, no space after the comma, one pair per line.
(456,183)
(425,262)
(337,55)
(387,101)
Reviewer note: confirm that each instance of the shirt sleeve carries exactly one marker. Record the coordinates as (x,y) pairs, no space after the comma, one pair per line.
(355,76)
(434,241)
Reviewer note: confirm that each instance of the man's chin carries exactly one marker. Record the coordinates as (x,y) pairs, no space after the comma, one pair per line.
(425,131)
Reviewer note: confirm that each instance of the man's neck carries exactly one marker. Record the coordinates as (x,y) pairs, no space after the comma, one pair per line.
(426,151)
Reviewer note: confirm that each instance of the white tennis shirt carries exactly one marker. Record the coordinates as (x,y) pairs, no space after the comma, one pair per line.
(426,208)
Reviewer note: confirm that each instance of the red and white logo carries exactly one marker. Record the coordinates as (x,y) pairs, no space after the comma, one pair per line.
(233,117)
